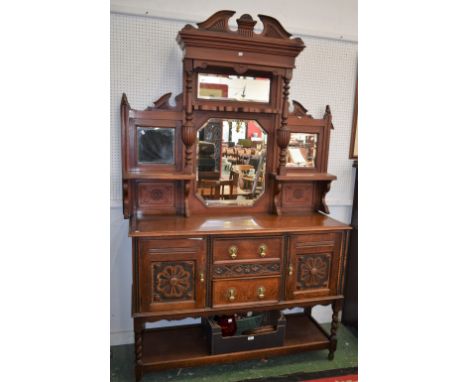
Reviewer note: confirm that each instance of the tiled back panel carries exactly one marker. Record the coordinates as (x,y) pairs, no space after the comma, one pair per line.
(146,62)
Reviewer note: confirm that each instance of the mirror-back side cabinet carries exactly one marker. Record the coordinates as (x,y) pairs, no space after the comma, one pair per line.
(224,187)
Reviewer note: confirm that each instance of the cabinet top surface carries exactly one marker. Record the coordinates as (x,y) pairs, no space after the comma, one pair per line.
(163,226)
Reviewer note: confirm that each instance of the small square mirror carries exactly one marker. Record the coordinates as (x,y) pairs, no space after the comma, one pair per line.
(155,145)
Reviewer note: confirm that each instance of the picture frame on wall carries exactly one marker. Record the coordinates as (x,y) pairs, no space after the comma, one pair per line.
(353,148)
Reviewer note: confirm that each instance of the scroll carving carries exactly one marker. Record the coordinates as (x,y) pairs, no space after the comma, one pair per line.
(299,111)
(273,28)
(217,22)
(162,103)
(326,188)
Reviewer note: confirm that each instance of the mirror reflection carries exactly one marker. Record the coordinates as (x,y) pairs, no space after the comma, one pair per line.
(231,162)
(302,150)
(155,145)
(233,87)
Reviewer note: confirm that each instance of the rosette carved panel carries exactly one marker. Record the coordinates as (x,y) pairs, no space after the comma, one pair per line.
(313,271)
(173,281)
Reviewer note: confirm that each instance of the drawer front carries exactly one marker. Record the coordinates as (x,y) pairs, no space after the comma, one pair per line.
(172,274)
(242,268)
(314,265)
(247,248)
(256,291)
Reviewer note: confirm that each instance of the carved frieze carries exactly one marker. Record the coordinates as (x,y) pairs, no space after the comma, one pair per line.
(173,281)
(232,270)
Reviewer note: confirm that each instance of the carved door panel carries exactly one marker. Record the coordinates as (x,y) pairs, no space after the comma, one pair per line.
(172,274)
(314,265)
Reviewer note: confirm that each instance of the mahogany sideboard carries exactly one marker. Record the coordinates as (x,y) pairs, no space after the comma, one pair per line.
(224,189)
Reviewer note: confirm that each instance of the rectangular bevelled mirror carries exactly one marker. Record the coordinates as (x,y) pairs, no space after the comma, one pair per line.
(302,150)
(233,88)
(155,145)
(231,162)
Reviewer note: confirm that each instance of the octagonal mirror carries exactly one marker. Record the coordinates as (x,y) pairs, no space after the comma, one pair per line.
(231,162)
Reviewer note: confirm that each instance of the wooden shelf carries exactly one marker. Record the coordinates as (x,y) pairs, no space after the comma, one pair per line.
(304,177)
(164,226)
(160,176)
(186,346)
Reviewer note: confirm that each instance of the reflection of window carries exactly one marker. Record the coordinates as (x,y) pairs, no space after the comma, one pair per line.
(155,145)
(233,87)
(302,150)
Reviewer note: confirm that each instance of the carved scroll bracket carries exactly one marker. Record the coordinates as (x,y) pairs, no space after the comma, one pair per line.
(162,103)
(325,189)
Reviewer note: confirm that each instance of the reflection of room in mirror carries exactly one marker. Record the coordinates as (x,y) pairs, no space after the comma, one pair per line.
(155,145)
(231,159)
(302,150)
(233,87)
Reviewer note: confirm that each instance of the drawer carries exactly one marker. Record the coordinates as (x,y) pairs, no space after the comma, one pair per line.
(233,292)
(163,246)
(316,241)
(247,248)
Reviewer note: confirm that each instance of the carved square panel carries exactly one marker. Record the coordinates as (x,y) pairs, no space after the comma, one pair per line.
(297,195)
(173,281)
(313,271)
(156,194)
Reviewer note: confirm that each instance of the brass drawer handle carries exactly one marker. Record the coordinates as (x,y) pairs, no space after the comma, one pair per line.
(202,277)
(261,292)
(262,250)
(231,294)
(291,269)
(233,252)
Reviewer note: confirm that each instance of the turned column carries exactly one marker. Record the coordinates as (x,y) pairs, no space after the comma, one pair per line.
(188,132)
(283,133)
(336,307)
(138,329)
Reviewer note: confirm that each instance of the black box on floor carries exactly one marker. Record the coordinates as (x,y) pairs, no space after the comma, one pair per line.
(219,344)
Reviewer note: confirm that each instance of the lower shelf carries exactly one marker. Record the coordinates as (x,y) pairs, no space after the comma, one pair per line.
(187,346)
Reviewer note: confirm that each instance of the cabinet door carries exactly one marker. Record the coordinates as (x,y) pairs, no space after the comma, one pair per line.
(314,263)
(172,274)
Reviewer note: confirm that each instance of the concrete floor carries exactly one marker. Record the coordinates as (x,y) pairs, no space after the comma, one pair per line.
(346,356)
